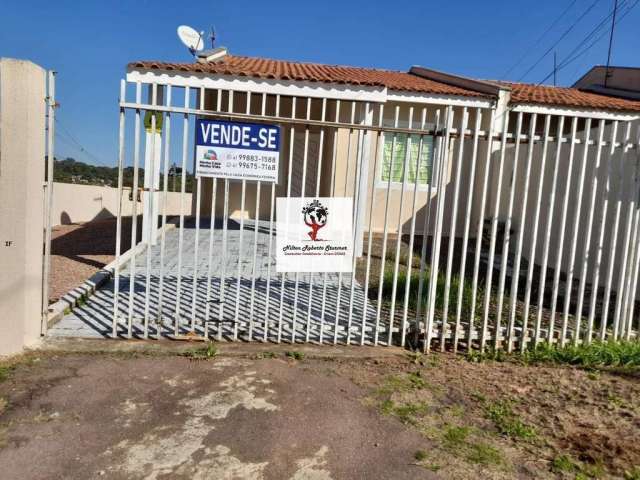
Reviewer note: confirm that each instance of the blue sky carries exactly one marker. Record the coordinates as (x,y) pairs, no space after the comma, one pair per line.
(89,43)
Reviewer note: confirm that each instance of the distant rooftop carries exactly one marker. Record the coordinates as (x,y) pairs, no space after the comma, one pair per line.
(424,81)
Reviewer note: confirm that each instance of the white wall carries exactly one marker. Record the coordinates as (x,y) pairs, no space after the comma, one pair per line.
(73,203)
(22,166)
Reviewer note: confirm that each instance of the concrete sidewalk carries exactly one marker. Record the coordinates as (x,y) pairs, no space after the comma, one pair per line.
(281,307)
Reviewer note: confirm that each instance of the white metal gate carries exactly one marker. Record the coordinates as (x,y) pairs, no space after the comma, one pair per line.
(514,227)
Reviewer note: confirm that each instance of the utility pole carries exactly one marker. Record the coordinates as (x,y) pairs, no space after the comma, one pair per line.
(613,25)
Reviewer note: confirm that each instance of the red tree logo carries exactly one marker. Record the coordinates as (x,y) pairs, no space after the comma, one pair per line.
(315,217)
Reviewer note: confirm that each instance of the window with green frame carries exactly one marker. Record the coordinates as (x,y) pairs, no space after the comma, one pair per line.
(424,170)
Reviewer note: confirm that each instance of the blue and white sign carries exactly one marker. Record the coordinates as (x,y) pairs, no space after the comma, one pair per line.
(245,151)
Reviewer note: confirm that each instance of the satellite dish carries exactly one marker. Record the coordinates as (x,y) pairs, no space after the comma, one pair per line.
(191,38)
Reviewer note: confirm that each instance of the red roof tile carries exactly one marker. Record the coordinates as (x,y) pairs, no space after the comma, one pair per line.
(393,80)
(567,97)
(312,72)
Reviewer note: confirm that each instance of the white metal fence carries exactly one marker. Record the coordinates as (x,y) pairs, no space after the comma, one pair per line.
(521,228)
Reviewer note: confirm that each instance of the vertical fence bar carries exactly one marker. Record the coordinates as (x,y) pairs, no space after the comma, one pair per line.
(333,187)
(563,221)
(515,278)
(467,224)
(443,172)
(636,263)
(150,197)
(305,158)
(212,228)
(536,222)
(385,229)
(166,125)
(630,271)
(134,212)
(492,237)
(116,269)
(574,240)
(194,292)
(183,183)
(46,266)
(412,232)
(506,241)
(614,239)
(452,228)
(478,247)
(606,192)
(225,234)
(256,227)
(346,179)
(427,218)
(271,214)
(357,186)
(547,233)
(378,150)
(289,176)
(587,243)
(318,178)
(396,266)
(621,291)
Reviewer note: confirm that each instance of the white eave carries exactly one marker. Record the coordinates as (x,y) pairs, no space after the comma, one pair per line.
(575,112)
(363,93)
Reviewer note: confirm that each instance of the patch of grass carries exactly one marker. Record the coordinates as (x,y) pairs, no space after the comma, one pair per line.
(484,454)
(402,383)
(633,474)
(414,284)
(476,356)
(508,422)
(456,436)
(408,413)
(295,355)
(208,352)
(420,455)
(566,464)
(596,354)
(5,371)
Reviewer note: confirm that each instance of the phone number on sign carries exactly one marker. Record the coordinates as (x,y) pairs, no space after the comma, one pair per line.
(256,158)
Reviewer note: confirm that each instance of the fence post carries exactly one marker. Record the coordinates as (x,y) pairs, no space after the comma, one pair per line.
(22,154)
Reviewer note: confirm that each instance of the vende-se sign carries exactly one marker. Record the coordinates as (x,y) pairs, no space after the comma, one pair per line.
(245,151)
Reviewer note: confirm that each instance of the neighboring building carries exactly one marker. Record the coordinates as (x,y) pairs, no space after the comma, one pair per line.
(622,82)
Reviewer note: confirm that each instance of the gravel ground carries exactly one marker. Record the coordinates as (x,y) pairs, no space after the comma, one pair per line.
(81,249)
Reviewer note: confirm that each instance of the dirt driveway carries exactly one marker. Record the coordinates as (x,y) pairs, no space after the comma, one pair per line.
(118,416)
(318,413)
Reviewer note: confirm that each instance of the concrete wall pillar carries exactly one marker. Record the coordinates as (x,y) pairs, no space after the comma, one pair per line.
(22,173)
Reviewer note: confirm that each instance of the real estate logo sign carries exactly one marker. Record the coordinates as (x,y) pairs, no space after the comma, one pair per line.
(244,151)
(314,234)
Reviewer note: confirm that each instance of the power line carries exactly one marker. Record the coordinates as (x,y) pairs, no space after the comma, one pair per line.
(575,53)
(81,148)
(613,25)
(537,42)
(566,32)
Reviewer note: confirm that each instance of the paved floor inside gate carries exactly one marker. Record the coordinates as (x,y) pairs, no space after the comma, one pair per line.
(256,303)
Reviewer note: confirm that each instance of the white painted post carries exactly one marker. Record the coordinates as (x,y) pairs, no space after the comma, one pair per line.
(152,165)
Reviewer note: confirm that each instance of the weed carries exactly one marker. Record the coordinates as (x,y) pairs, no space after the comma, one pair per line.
(402,383)
(67,310)
(484,454)
(5,371)
(564,463)
(456,436)
(295,355)
(475,356)
(507,421)
(420,455)
(203,353)
(408,413)
(592,355)
(633,474)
